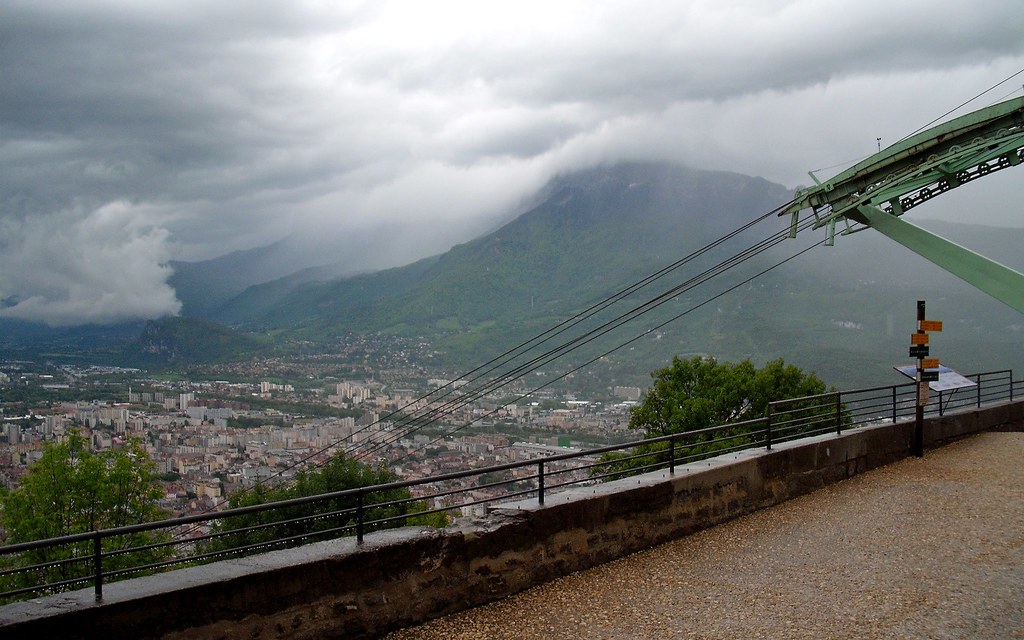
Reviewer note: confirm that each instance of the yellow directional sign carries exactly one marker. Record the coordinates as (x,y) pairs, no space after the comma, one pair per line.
(930,363)
(931,325)
(919,338)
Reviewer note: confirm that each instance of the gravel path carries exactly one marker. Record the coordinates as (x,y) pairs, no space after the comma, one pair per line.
(924,548)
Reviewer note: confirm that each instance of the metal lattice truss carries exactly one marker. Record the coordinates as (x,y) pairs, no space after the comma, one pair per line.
(877,191)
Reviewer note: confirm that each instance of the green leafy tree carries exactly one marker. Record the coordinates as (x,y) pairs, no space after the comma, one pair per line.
(74,490)
(702,392)
(699,393)
(301,524)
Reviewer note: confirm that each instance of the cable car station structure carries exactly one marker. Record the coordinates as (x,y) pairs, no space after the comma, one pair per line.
(877,191)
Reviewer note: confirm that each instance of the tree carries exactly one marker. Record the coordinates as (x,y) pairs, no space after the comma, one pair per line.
(296,525)
(74,490)
(699,393)
(702,392)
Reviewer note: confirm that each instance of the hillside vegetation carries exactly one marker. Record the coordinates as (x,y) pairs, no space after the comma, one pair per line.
(844,312)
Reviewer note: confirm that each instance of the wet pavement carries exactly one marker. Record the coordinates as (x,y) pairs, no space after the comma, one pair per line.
(923,548)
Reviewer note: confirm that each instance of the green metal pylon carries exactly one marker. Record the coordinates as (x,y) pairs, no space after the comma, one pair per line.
(877,191)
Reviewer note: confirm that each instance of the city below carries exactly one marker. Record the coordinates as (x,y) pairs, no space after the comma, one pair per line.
(212,438)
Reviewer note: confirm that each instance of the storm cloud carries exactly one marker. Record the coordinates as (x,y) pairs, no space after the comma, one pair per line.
(133,134)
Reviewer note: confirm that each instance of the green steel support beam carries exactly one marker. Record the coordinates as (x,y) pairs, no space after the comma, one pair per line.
(874,192)
(997,280)
(922,166)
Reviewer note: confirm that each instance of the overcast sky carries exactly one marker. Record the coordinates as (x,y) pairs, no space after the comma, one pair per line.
(136,132)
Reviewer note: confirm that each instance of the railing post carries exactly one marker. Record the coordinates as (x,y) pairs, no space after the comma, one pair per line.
(359,518)
(839,413)
(768,429)
(977,387)
(97,565)
(894,404)
(672,454)
(540,482)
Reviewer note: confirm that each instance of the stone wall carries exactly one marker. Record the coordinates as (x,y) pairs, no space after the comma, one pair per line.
(401,577)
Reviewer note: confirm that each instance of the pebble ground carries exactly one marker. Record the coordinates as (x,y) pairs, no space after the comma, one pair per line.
(924,548)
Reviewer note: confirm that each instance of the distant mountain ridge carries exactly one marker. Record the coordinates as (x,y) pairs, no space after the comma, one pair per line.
(594,229)
(842,311)
(203,287)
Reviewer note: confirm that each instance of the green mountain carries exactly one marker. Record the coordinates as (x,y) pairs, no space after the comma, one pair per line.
(842,311)
(188,341)
(592,232)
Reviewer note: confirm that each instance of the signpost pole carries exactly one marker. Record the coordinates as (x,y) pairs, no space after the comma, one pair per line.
(927,371)
(921,395)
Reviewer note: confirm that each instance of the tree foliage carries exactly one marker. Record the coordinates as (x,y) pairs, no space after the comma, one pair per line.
(300,524)
(701,392)
(74,490)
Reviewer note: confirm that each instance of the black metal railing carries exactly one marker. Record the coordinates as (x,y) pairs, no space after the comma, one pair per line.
(98,557)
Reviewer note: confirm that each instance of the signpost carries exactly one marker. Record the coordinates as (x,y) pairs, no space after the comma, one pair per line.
(929,374)
(925,374)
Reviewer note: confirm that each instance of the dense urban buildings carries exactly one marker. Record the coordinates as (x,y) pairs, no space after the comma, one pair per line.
(211,438)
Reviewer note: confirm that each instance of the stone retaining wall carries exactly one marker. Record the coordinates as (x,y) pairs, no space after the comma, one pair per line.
(401,577)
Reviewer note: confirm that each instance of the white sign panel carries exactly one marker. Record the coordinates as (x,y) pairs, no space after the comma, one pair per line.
(948,379)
